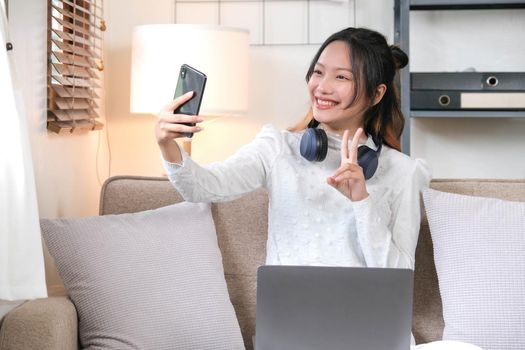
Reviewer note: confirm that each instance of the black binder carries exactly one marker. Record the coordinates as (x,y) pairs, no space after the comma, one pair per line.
(452,100)
(472,81)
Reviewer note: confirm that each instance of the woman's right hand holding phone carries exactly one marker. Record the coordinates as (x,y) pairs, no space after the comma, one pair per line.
(170,126)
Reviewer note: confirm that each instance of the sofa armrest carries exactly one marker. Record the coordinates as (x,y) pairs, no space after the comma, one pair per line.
(49,323)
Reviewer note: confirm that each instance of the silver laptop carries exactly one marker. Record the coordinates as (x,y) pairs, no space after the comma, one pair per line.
(333,308)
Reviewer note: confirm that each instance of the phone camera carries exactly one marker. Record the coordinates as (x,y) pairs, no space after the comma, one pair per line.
(183,74)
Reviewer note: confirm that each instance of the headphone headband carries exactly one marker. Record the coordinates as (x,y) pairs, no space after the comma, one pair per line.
(313,123)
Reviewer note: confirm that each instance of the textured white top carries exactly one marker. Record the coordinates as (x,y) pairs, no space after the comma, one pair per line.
(310,222)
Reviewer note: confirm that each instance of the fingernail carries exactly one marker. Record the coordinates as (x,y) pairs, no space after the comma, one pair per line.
(199,128)
(189,93)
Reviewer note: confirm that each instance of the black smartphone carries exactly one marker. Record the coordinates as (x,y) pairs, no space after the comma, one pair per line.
(190,79)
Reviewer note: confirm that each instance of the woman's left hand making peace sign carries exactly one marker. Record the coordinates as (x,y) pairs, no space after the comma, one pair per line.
(349,178)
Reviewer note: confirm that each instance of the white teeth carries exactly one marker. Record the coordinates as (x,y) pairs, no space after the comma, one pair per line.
(325,103)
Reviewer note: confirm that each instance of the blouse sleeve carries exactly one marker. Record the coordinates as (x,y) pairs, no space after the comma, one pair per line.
(243,172)
(393,243)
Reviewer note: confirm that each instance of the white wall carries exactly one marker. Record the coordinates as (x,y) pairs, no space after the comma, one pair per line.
(277,91)
(281,100)
(66,165)
(441,41)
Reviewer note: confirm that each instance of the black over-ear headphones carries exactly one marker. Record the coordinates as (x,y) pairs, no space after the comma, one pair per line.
(314,147)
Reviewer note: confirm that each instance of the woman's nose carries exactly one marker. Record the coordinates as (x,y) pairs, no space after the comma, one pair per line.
(324,86)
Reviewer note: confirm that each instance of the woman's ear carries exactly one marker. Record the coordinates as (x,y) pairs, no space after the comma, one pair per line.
(380,92)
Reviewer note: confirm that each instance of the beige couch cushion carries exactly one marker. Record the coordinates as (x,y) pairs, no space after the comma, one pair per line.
(478,252)
(241,226)
(147,280)
(49,323)
(427,324)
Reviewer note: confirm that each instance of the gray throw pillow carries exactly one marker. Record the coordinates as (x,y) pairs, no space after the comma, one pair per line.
(148,280)
(479,251)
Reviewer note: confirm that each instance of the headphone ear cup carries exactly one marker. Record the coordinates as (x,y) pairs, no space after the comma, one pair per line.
(322,144)
(309,145)
(314,145)
(368,159)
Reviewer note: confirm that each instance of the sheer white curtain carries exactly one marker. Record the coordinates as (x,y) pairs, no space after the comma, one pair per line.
(22,273)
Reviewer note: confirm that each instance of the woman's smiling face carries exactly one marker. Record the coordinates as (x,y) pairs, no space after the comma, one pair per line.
(332,88)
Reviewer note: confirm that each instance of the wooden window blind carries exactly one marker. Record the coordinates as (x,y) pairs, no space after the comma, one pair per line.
(75,65)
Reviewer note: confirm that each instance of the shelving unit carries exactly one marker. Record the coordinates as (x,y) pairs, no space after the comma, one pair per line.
(402,10)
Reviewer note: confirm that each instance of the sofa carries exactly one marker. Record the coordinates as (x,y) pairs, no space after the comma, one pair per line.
(241,226)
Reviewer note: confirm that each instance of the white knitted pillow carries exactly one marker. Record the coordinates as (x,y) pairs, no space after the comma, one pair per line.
(148,280)
(479,252)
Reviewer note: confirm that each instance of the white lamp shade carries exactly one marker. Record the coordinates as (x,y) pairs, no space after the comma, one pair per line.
(221,53)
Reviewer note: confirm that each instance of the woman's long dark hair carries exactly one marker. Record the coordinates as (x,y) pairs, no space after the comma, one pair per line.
(374,62)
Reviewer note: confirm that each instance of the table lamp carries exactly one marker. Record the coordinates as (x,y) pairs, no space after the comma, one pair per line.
(222,53)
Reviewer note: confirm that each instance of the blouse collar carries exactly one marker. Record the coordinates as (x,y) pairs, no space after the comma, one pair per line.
(334,141)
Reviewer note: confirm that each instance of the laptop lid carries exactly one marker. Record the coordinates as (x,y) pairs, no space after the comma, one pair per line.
(333,308)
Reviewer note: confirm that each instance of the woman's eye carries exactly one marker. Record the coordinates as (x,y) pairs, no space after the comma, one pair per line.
(342,77)
(317,72)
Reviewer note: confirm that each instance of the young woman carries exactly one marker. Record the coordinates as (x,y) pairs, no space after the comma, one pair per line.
(341,192)
(323,212)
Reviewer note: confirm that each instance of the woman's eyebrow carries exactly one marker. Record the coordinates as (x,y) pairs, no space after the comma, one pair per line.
(337,68)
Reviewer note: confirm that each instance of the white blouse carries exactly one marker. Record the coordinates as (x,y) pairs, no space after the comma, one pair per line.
(310,222)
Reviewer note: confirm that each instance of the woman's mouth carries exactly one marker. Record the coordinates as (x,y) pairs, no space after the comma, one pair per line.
(324,104)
